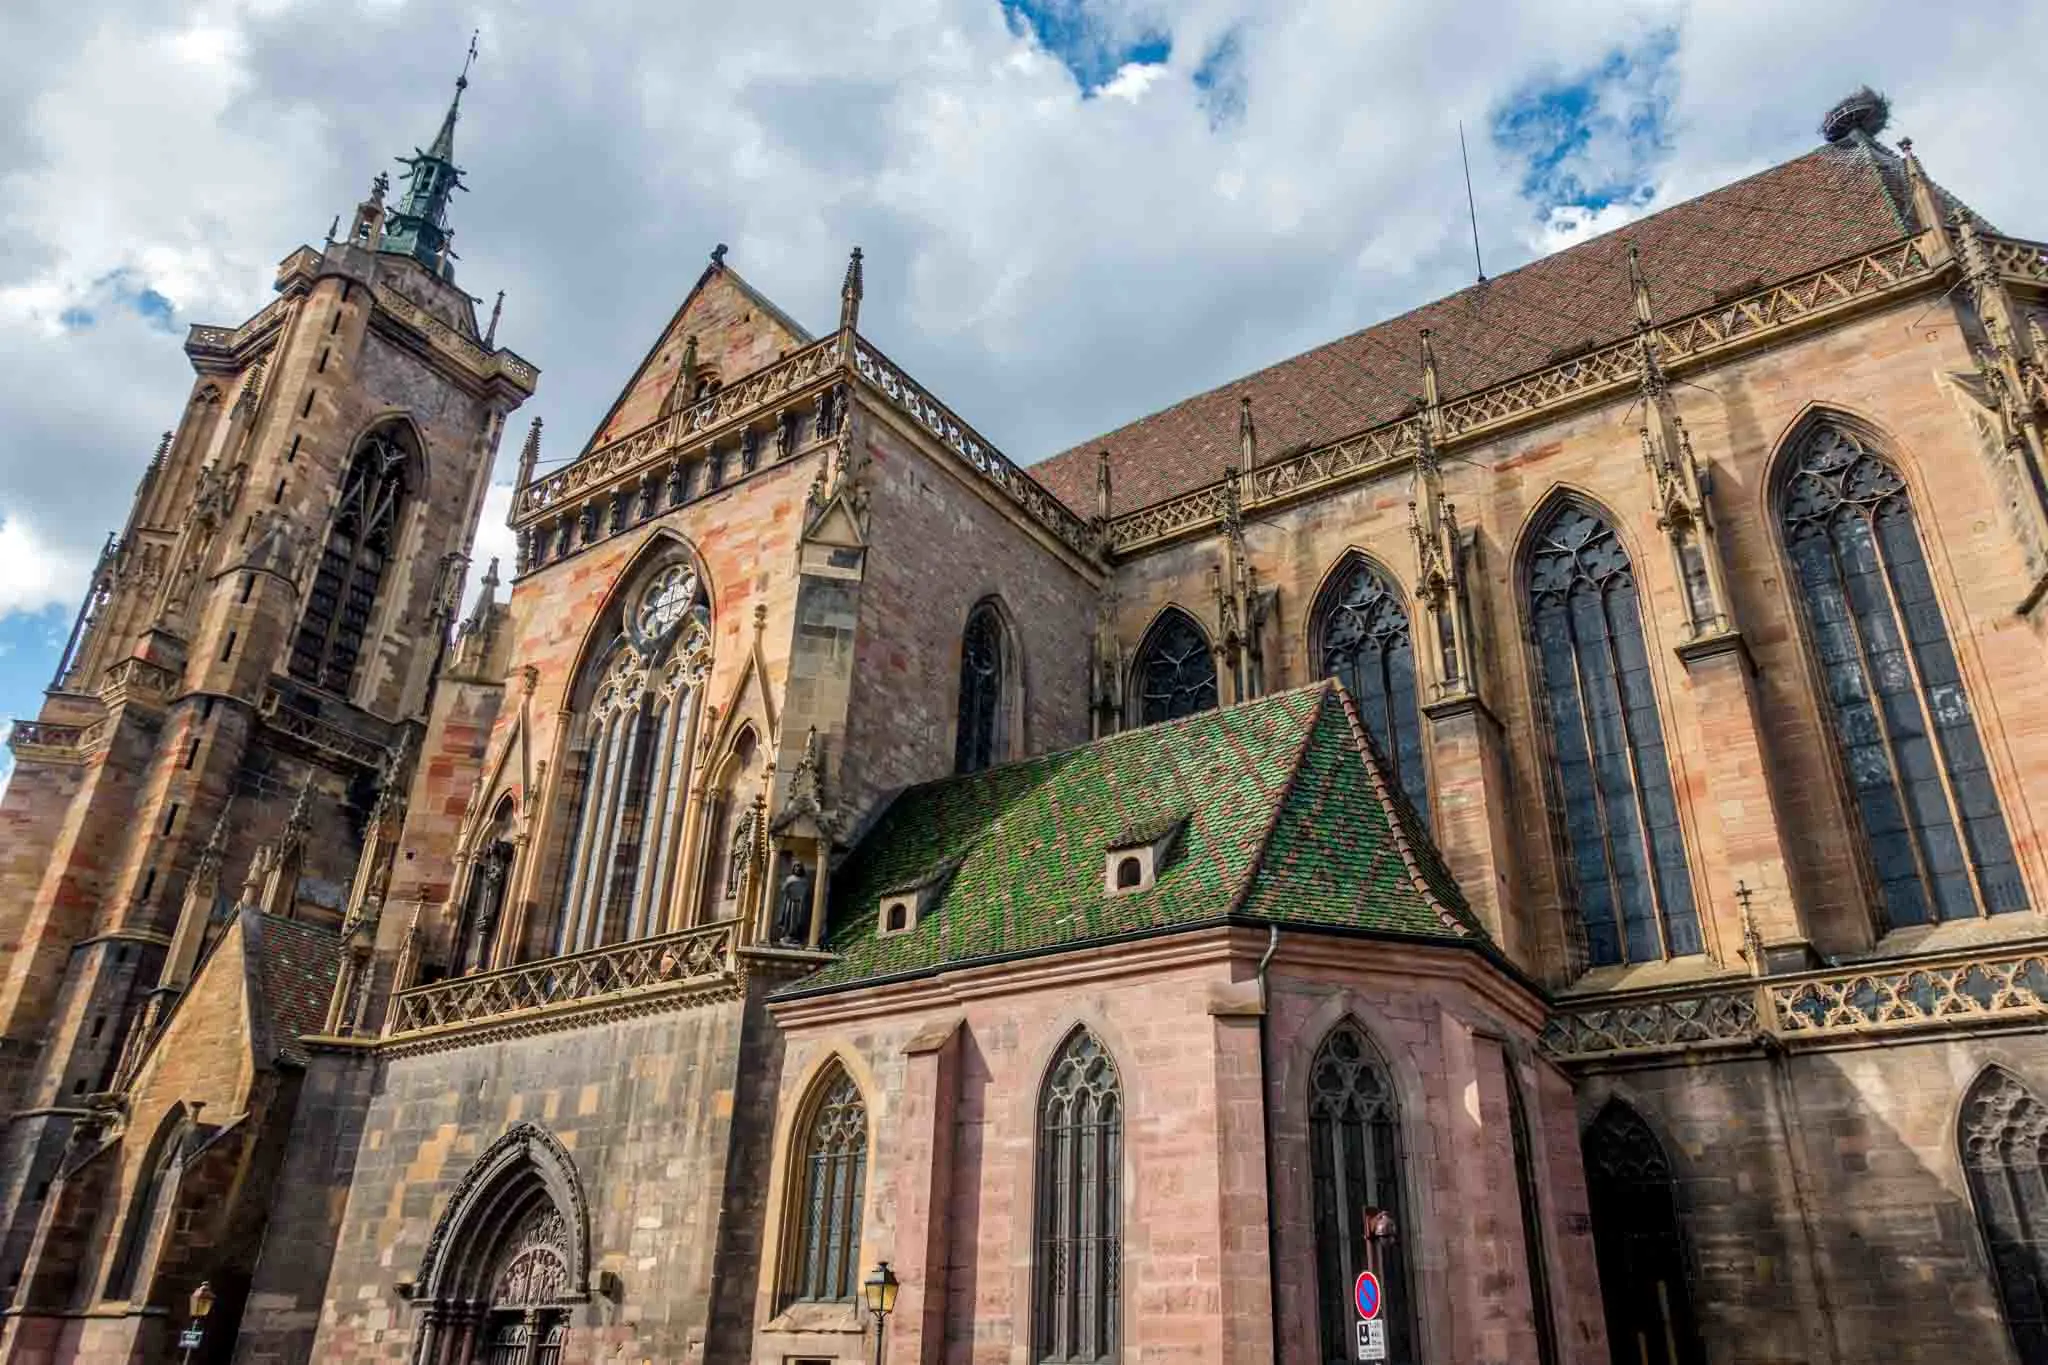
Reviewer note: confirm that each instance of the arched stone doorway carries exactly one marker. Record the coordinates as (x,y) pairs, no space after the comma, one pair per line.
(509,1259)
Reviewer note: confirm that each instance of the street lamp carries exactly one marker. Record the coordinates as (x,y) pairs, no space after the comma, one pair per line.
(201,1304)
(879,1289)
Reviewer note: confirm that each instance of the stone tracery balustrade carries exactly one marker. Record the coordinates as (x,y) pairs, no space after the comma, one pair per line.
(971,446)
(232,338)
(693,957)
(2019,259)
(641,450)
(1837,1005)
(446,338)
(1606,369)
(331,740)
(35,739)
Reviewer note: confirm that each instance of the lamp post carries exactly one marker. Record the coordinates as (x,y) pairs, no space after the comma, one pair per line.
(201,1304)
(879,1289)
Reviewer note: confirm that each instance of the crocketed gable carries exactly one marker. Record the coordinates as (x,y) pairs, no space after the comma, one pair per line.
(1283,817)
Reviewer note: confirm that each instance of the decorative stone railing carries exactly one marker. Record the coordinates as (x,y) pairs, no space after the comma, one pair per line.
(637,453)
(1008,477)
(1600,372)
(445,338)
(41,740)
(134,677)
(613,975)
(2018,259)
(233,338)
(330,740)
(1827,1007)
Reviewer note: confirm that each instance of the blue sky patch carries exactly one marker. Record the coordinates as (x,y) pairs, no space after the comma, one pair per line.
(1220,80)
(1086,41)
(29,645)
(1596,137)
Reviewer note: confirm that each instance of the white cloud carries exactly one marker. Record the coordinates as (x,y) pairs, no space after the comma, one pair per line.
(35,573)
(1051,265)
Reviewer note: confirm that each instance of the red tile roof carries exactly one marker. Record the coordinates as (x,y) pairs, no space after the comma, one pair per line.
(295,969)
(1840,201)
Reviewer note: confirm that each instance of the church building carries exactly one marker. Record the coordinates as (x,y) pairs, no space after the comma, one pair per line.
(1532,800)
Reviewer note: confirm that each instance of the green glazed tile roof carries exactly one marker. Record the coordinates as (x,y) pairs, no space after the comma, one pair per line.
(1287,820)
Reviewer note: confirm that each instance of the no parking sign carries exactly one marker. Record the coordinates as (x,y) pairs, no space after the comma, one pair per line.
(1372,1333)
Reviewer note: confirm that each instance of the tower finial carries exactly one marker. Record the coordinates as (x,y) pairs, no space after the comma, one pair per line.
(1247,434)
(1102,486)
(419,226)
(850,293)
(497,310)
(462,81)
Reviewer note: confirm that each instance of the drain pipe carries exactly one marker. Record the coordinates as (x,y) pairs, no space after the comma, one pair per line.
(1266,1127)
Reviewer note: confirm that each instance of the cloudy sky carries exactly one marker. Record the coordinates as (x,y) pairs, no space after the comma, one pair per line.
(1074,211)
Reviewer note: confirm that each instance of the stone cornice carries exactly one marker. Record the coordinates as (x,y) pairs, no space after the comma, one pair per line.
(1687,344)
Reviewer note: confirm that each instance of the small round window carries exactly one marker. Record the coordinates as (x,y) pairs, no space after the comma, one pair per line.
(667,600)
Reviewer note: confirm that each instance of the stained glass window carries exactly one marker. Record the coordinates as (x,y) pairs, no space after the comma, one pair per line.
(1362,634)
(1934,837)
(1176,673)
(833,1175)
(2005,1155)
(1627,853)
(978,744)
(1355,1164)
(1080,1218)
(360,543)
(1645,1281)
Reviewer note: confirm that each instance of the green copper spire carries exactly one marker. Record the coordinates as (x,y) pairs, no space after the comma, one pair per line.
(418,227)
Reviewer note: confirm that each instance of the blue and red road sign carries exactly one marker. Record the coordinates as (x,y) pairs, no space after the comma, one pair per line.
(1367,1295)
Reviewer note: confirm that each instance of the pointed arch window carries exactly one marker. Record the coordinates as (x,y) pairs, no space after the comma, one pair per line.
(149,1211)
(979,741)
(1363,639)
(831,1185)
(1934,837)
(634,731)
(1639,1241)
(1355,1164)
(1608,764)
(1078,1262)
(361,541)
(2004,1142)
(1175,673)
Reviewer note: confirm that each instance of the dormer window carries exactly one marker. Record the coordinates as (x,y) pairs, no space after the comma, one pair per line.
(1136,857)
(903,906)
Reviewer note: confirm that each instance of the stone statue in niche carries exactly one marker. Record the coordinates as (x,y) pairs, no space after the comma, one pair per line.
(793,906)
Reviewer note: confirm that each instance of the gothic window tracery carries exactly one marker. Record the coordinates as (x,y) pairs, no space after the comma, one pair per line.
(361,541)
(1355,1164)
(1175,672)
(1639,1241)
(979,739)
(1362,635)
(1934,837)
(2004,1144)
(1627,860)
(824,1266)
(1077,1267)
(635,734)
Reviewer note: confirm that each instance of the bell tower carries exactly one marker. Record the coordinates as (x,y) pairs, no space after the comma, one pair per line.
(257,643)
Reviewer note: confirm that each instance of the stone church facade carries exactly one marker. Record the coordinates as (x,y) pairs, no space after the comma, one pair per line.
(1534,798)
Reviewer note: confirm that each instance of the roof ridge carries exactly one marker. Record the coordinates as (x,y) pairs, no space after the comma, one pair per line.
(1397,827)
(1257,862)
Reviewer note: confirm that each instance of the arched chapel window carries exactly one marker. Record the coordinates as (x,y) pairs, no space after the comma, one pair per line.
(1175,672)
(1355,1164)
(1362,636)
(149,1213)
(1934,838)
(1627,862)
(1645,1280)
(1077,1266)
(824,1263)
(483,902)
(2004,1142)
(980,740)
(634,734)
(361,541)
